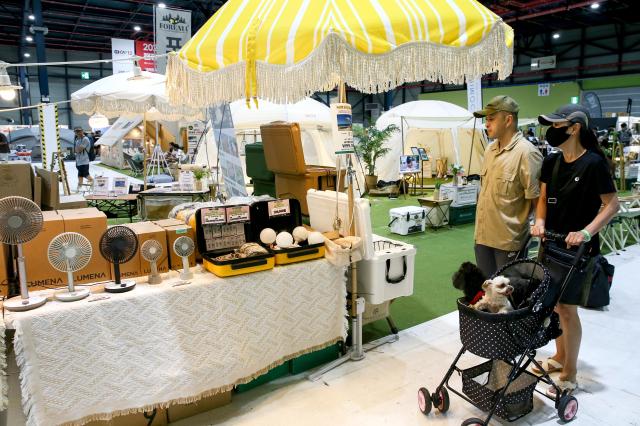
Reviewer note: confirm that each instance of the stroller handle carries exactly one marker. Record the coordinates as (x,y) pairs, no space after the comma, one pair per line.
(561,237)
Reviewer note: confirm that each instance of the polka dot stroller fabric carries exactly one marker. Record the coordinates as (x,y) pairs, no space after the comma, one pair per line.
(507,336)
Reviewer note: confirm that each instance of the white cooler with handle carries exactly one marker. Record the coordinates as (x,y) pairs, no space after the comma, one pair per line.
(407,220)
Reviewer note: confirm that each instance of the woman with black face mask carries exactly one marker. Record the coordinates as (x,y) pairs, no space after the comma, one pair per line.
(575,184)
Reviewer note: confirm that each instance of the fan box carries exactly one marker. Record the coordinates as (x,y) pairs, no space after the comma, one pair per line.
(91,223)
(137,266)
(16,178)
(157,417)
(5,268)
(183,411)
(175,229)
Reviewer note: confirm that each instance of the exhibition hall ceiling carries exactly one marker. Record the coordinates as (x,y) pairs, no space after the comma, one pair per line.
(89,25)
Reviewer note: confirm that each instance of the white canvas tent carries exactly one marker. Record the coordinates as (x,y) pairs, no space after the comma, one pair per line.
(445,130)
(111,142)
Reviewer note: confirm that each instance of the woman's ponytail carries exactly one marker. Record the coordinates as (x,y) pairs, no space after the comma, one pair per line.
(589,141)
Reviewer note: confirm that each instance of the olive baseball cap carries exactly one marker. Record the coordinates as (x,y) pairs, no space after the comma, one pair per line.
(573,113)
(499,103)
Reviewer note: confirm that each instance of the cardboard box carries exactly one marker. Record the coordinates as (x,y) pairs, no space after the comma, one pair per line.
(173,233)
(137,266)
(40,273)
(5,269)
(182,411)
(16,178)
(50,193)
(91,223)
(166,223)
(157,417)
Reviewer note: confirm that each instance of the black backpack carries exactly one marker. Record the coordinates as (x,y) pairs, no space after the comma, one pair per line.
(92,150)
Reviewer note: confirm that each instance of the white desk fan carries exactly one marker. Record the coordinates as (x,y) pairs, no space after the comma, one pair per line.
(70,252)
(184,247)
(151,251)
(118,245)
(20,221)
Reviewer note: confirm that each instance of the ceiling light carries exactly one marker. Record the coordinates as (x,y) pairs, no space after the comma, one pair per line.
(7,90)
(137,28)
(32,18)
(27,55)
(595,5)
(556,36)
(162,5)
(29,38)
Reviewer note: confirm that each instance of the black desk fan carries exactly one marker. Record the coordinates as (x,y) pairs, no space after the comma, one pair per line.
(118,245)
(184,247)
(70,252)
(20,221)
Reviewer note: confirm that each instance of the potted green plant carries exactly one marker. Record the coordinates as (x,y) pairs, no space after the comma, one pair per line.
(436,191)
(457,171)
(199,175)
(369,145)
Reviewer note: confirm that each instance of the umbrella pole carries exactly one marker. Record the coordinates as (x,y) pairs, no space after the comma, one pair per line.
(144,149)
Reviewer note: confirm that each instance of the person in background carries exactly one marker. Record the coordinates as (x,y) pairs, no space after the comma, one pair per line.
(81,147)
(509,187)
(583,201)
(624,136)
(5,150)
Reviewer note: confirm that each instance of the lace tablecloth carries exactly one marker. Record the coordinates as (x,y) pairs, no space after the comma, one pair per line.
(161,345)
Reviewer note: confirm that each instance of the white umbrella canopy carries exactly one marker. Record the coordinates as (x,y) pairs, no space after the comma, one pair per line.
(306,112)
(136,92)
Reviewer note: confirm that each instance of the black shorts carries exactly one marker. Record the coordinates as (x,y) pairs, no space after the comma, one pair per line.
(83,170)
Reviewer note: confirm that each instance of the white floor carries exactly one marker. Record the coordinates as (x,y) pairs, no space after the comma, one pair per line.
(381,389)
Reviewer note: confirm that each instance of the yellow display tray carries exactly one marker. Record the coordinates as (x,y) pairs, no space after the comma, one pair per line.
(299,254)
(229,268)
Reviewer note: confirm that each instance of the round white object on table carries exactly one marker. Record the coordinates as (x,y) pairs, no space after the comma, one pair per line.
(268,236)
(300,233)
(315,238)
(284,240)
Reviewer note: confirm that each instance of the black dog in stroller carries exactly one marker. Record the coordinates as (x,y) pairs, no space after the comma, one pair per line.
(502,386)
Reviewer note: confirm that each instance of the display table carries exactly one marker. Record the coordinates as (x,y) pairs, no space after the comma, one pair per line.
(161,345)
(116,206)
(437,211)
(624,226)
(155,204)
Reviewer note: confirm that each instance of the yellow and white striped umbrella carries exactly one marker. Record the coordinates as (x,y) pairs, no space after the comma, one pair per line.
(285,50)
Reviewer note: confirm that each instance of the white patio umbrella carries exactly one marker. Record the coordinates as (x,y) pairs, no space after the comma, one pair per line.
(135,92)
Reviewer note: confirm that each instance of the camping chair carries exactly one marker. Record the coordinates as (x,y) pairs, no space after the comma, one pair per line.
(136,167)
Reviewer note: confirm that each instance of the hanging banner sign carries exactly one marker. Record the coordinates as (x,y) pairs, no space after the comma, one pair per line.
(229,157)
(342,128)
(120,49)
(172,30)
(146,49)
(474,95)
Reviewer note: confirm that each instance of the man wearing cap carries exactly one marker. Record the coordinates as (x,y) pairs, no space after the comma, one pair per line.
(81,146)
(509,187)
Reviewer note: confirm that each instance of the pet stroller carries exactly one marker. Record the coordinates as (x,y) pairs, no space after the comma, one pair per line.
(502,386)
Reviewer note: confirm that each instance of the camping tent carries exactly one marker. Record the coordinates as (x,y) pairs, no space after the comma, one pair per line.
(445,130)
(315,125)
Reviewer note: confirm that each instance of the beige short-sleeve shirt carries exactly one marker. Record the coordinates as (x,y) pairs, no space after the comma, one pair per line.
(509,180)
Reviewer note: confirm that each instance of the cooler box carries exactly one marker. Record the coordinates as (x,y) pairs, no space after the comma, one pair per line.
(389,273)
(283,215)
(407,220)
(462,195)
(263,178)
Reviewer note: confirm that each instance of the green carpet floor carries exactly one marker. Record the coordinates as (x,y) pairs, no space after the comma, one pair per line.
(439,254)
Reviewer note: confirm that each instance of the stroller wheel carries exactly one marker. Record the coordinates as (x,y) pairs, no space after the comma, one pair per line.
(440,399)
(473,421)
(567,408)
(424,401)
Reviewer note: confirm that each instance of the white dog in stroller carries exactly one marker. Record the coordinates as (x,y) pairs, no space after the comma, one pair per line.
(496,296)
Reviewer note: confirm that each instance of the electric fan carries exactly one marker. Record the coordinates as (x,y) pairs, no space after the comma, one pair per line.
(118,245)
(20,221)
(69,252)
(151,251)
(184,247)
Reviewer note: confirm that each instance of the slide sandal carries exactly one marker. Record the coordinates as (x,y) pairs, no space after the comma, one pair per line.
(550,365)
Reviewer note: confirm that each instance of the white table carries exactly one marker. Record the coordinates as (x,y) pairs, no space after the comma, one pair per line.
(162,345)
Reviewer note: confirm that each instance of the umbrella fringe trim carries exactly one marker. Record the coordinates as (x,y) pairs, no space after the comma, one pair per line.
(118,107)
(334,58)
